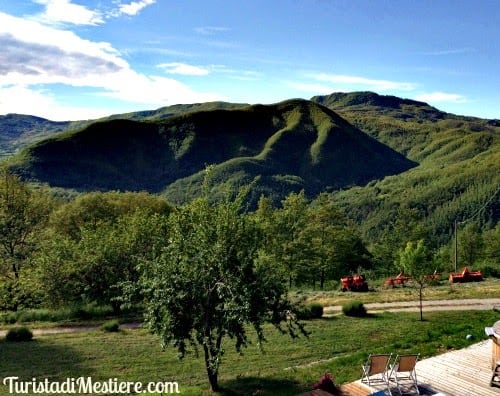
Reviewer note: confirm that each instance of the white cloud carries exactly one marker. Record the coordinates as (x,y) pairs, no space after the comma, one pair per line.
(33,53)
(354,82)
(210,30)
(63,11)
(438,97)
(184,69)
(135,7)
(131,86)
(452,51)
(23,100)
(59,12)
(35,56)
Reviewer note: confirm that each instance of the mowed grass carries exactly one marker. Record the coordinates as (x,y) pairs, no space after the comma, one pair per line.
(286,366)
(489,288)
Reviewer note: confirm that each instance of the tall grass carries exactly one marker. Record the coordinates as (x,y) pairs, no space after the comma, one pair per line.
(86,312)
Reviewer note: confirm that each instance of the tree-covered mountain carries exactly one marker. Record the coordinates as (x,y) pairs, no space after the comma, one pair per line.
(293,145)
(335,143)
(18,130)
(458,172)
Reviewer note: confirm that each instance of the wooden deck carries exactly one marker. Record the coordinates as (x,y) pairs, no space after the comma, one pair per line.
(465,372)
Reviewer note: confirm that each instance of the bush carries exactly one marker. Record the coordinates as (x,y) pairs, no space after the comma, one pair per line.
(8,317)
(111,326)
(354,308)
(316,311)
(17,334)
(311,311)
(90,312)
(490,270)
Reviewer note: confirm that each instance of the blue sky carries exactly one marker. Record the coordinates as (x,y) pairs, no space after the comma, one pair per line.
(76,59)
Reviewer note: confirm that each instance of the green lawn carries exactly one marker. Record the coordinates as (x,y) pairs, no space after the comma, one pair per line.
(285,367)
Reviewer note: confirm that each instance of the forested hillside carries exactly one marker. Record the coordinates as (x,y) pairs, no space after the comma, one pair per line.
(399,170)
(290,146)
(458,172)
(18,131)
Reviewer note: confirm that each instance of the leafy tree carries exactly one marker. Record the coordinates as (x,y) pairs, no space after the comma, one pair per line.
(470,243)
(23,213)
(282,227)
(414,261)
(490,264)
(404,224)
(206,284)
(91,210)
(332,246)
(93,268)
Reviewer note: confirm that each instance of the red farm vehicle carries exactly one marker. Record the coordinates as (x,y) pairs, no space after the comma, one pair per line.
(466,276)
(400,279)
(356,283)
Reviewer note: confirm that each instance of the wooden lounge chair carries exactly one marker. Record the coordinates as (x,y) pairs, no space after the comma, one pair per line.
(403,373)
(375,370)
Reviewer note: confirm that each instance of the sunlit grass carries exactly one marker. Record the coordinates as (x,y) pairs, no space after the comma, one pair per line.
(285,366)
(489,288)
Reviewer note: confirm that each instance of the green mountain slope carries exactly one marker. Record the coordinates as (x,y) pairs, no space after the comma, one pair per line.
(291,145)
(173,110)
(18,131)
(330,143)
(459,161)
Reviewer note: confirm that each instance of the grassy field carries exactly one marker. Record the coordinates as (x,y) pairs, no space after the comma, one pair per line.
(490,288)
(286,367)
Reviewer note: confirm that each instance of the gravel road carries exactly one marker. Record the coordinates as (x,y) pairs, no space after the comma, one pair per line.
(405,306)
(432,305)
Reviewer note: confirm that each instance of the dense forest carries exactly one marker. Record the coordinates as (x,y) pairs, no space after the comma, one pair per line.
(58,252)
(336,185)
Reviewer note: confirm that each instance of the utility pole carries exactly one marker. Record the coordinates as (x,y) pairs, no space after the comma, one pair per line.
(456,245)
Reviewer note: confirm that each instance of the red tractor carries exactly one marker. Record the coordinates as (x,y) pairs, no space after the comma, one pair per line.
(356,283)
(466,276)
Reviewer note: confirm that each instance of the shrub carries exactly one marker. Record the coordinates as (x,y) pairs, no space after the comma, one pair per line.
(316,310)
(354,308)
(8,317)
(111,326)
(90,312)
(490,270)
(311,311)
(17,334)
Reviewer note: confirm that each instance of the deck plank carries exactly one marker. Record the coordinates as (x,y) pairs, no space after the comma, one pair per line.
(464,372)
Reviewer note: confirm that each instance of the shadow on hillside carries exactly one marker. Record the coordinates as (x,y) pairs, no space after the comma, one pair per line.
(259,386)
(41,359)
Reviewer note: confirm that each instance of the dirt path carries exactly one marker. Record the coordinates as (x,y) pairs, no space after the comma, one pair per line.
(433,305)
(405,306)
(71,329)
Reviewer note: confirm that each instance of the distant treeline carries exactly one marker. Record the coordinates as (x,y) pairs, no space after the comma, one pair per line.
(87,249)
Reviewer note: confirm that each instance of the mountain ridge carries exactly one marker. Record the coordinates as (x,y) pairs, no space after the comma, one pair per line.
(458,157)
(295,140)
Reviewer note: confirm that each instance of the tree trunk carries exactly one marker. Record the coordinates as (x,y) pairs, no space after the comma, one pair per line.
(115,305)
(211,371)
(420,302)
